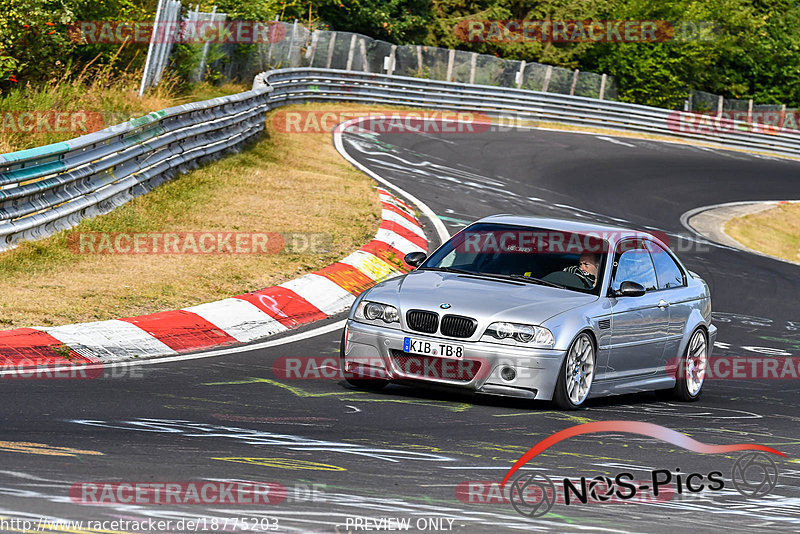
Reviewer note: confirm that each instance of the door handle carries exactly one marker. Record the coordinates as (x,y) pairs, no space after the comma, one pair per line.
(663,304)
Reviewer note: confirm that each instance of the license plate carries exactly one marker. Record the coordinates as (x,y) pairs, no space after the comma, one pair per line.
(432,348)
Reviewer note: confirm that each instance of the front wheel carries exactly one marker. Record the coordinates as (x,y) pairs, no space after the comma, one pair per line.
(692,368)
(576,375)
(373,384)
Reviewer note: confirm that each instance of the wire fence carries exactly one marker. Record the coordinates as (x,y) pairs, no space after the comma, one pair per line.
(295,46)
(354,52)
(717,105)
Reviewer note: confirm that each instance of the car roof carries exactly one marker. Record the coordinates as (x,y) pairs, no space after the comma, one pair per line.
(613,234)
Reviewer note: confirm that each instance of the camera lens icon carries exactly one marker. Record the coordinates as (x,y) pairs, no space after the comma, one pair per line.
(532,494)
(754,474)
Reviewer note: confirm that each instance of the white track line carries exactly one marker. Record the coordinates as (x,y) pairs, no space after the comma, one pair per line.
(438,225)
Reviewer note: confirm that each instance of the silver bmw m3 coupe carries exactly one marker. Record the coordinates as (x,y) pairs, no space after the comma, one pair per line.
(540,309)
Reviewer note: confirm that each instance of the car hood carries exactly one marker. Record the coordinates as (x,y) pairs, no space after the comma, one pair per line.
(482,298)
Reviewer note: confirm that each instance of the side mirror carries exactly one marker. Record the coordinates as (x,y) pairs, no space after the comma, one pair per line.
(629,289)
(415,259)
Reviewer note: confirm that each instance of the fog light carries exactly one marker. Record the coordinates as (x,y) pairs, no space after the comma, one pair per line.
(508,374)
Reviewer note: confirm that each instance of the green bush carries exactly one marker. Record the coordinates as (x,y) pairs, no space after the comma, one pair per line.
(35,42)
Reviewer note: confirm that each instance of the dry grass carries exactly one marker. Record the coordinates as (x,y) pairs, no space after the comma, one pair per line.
(282,183)
(106,100)
(775,231)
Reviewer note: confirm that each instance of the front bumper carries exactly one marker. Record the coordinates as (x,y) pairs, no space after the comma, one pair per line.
(381,350)
(712,338)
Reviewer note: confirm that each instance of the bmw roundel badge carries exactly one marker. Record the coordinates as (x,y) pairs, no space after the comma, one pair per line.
(444,306)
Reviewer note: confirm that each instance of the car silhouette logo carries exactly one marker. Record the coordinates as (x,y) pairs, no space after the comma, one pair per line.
(444,306)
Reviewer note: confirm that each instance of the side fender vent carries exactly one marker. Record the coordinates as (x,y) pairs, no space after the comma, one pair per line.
(604,324)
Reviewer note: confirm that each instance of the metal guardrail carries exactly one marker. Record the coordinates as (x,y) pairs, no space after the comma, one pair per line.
(51,188)
(327,85)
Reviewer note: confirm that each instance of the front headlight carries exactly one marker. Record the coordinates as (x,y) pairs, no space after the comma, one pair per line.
(513,334)
(374,311)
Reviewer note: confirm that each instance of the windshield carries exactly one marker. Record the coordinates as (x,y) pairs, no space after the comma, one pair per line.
(573,261)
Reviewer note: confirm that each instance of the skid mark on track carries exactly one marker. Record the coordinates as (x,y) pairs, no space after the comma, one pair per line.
(295,390)
(202,399)
(785,440)
(683,411)
(357,396)
(42,449)
(415,446)
(577,419)
(259,438)
(282,463)
(288,420)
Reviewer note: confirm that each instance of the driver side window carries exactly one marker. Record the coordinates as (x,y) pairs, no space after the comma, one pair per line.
(635,265)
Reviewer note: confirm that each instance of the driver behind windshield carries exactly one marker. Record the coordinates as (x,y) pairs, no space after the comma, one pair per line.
(586,269)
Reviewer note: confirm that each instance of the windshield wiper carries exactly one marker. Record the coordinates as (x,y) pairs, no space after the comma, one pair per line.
(515,277)
(448,270)
(530,280)
(490,276)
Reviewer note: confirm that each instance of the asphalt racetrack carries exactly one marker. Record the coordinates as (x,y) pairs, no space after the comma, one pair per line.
(350,459)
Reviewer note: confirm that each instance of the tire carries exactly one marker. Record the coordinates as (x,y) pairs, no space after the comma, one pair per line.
(690,376)
(577,373)
(372,384)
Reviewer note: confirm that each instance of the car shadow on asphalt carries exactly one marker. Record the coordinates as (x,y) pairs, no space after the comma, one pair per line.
(443,394)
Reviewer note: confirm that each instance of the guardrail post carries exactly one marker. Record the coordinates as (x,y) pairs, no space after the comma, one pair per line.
(574,82)
(547,75)
(719,106)
(291,44)
(150,50)
(173,13)
(312,50)
(364,65)
(351,52)
(520,73)
(331,44)
(419,61)
(750,111)
(161,41)
(269,50)
(450,60)
(472,62)
(202,67)
(392,56)
(602,86)
(782,116)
